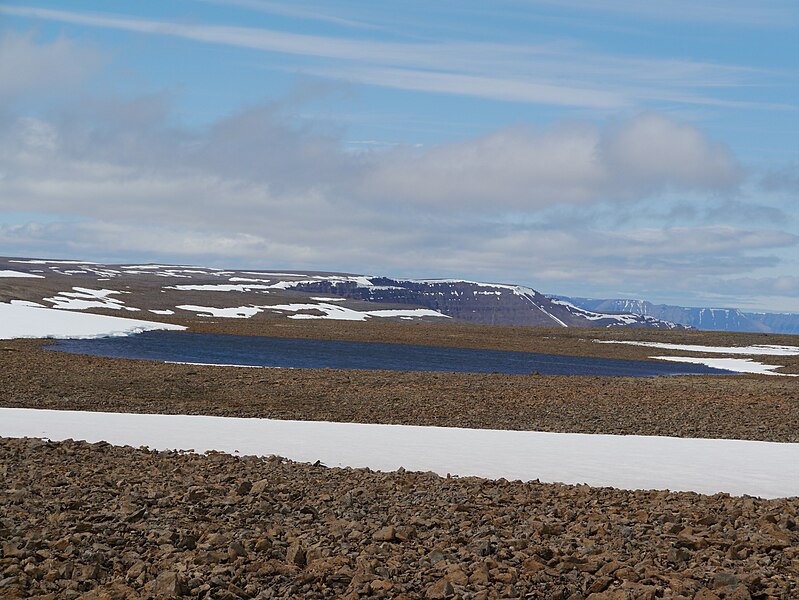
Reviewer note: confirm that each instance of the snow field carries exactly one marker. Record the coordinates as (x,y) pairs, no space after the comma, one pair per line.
(739,365)
(19,274)
(707,466)
(26,320)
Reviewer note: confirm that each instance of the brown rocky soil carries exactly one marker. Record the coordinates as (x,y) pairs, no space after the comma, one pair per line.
(80,521)
(741,407)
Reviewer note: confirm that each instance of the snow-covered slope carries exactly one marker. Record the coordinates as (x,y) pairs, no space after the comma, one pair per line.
(494,303)
(215,293)
(25,320)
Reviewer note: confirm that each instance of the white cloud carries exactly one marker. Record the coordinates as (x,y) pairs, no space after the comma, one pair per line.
(117,163)
(28,66)
(779,13)
(524,168)
(117,181)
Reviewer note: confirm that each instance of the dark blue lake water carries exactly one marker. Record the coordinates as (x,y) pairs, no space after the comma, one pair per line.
(318,354)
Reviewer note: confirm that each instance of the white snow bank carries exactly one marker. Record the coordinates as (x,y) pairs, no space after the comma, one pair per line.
(342,313)
(200,364)
(248,280)
(763,350)
(413,312)
(19,320)
(270,274)
(220,287)
(241,312)
(83,298)
(739,365)
(20,274)
(27,303)
(155,311)
(171,267)
(765,469)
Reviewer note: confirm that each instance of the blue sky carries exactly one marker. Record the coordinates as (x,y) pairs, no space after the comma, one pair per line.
(599,148)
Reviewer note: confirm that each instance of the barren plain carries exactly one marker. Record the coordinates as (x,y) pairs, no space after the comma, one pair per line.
(97,521)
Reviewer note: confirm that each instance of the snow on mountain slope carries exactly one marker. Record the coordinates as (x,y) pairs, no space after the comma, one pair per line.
(494,303)
(215,291)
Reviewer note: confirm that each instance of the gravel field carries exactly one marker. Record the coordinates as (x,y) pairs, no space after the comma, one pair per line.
(96,521)
(92,522)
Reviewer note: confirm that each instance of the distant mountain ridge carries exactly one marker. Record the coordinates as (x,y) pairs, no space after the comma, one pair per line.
(206,292)
(708,319)
(491,303)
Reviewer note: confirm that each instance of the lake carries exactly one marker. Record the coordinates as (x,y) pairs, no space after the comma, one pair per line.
(335,354)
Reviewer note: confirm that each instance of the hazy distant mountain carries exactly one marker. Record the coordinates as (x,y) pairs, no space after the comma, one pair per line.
(710,319)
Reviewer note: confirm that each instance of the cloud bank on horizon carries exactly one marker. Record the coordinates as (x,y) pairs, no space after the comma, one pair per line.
(580,148)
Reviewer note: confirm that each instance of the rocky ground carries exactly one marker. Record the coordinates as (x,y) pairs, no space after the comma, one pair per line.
(741,407)
(95,522)
(92,522)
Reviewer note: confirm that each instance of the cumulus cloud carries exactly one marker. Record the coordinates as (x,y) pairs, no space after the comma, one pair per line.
(257,188)
(28,66)
(257,158)
(578,163)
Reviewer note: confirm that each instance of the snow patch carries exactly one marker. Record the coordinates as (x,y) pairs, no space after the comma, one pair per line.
(27,303)
(268,274)
(83,298)
(220,287)
(24,321)
(20,274)
(241,312)
(155,311)
(708,466)
(739,365)
(198,364)
(761,350)
(248,280)
(342,313)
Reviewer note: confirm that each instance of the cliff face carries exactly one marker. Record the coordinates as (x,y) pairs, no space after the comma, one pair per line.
(709,319)
(495,304)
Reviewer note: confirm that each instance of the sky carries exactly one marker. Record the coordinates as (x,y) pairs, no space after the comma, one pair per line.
(597,148)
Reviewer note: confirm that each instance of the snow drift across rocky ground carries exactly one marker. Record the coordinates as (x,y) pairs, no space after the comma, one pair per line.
(269,529)
(765,469)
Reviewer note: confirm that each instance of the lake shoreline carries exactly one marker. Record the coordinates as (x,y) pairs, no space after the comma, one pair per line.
(744,407)
(232,350)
